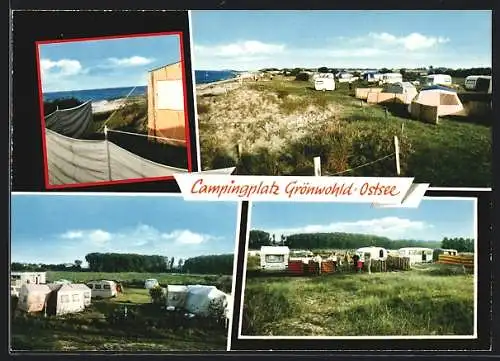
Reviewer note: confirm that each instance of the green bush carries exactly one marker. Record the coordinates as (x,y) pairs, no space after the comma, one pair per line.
(302,77)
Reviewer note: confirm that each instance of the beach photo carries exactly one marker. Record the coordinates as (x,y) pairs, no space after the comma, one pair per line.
(330,270)
(116,272)
(113,109)
(371,93)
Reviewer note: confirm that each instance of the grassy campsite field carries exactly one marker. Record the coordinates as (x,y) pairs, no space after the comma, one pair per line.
(280,125)
(429,300)
(101,326)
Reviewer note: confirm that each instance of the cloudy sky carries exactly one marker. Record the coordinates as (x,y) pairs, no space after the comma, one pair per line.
(433,220)
(249,40)
(107,63)
(63,228)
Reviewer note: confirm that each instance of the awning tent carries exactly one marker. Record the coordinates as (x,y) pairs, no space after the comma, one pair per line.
(445,99)
(73,122)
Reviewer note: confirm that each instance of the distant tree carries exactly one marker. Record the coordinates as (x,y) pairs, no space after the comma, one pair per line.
(258,239)
(180,263)
(210,264)
(384,71)
(323,69)
(78,263)
(172,260)
(274,239)
(295,71)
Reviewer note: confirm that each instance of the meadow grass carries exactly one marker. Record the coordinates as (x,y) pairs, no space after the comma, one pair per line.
(417,302)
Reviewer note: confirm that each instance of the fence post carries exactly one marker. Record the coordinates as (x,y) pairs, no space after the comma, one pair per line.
(317,166)
(107,151)
(396,149)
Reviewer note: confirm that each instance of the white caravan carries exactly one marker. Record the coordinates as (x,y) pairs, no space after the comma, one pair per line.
(324,82)
(472,80)
(274,258)
(103,289)
(417,254)
(389,78)
(437,79)
(376,253)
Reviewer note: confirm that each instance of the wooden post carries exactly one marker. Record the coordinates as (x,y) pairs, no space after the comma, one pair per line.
(317,166)
(396,149)
(107,152)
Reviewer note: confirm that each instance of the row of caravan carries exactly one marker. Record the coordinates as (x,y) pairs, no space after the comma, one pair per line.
(276,258)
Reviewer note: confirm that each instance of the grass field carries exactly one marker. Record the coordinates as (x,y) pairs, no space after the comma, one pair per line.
(103,327)
(431,300)
(281,125)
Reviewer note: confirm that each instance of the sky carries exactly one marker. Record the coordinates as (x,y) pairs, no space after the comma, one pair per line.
(251,40)
(55,229)
(433,220)
(105,63)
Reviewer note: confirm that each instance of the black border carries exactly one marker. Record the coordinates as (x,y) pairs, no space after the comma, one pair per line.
(30,26)
(484,276)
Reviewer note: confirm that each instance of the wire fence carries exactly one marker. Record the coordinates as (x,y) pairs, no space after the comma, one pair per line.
(362,165)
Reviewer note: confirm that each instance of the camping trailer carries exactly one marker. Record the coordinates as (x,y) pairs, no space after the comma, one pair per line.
(103,289)
(346,77)
(389,78)
(372,77)
(417,254)
(406,89)
(19,278)
(376,253)
(444,251)
(274,258)
(151,283)
(176,296)
(166,113)
(437,79)
(68,298)
(324,82)
(478,82)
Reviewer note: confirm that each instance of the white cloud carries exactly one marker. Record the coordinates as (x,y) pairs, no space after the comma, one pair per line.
(187,237)
(131,61)
(391,227)
(238,49)
(93,236)
(411,42)
(63,67)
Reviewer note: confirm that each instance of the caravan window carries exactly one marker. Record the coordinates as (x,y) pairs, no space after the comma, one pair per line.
(275,258)
(381,253)
(15,277)
(107,287)
(64,299)
(90,285)
(76,298)
(97,287)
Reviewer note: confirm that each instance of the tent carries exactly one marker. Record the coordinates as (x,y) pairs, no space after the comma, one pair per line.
(176,296)
(73,122)
(166,113)
(86,291)
(203,300)
(443,99)
(32,297)
(66,298)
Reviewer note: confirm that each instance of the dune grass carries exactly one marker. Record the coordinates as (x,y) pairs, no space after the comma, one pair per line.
(427,301)
(284,124)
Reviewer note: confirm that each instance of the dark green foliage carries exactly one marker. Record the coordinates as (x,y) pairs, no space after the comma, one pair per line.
(258,239)
(125,262)
(65,103)
(349,241)
(212,264)
(460,244)
(302,77)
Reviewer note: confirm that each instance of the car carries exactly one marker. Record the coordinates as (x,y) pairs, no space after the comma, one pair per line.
(151,283)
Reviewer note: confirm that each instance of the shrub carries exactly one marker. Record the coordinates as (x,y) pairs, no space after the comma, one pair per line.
(302,77)
(63,103)
(158,295)
(203,108)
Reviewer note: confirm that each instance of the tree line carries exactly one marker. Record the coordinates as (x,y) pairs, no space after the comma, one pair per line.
(127,262)
(334,240)
(459,243)
(212,264)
